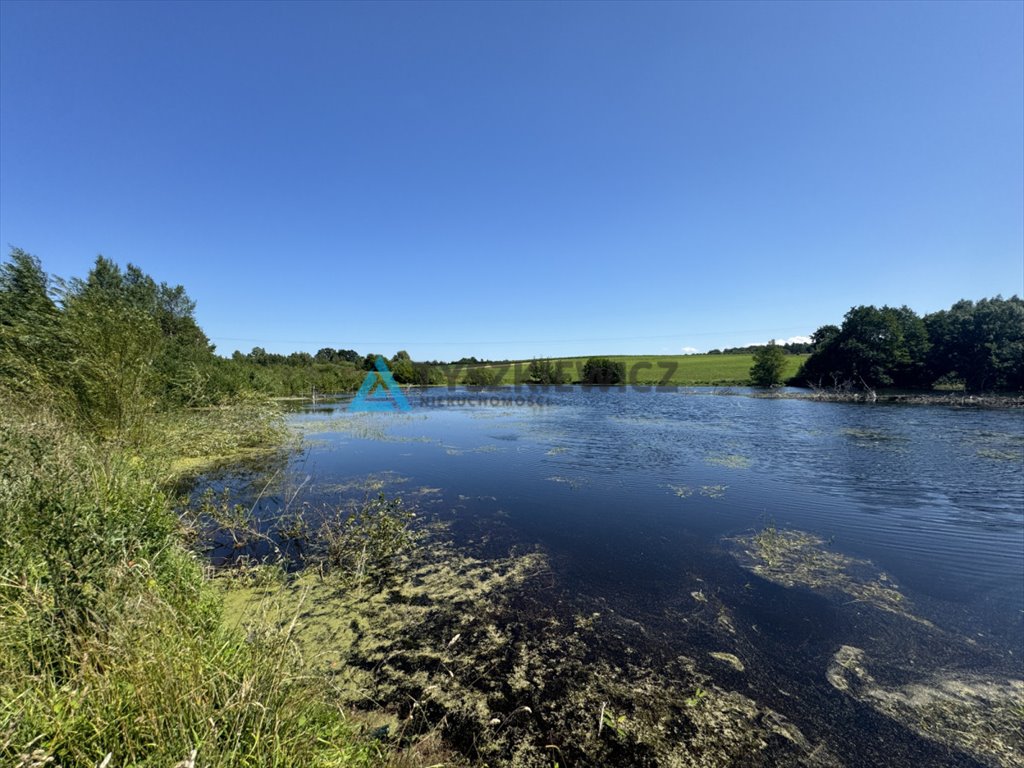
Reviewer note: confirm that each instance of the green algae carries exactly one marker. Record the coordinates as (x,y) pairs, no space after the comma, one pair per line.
(682,491)
(728,658)
(372,483)
(796,558)
(1001,455)
(478,651)
(453,451)
(729,460)
(708,491)
(980,715)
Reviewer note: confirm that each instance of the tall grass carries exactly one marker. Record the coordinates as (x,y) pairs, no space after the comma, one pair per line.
(111,643)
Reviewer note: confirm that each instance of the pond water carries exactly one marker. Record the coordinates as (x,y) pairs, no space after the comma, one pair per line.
(646,501)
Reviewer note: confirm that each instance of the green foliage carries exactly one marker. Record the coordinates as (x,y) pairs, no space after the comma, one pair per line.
(111,641)
(112,648)
(402,370)
(769,366)
(365,544)
(481,376)
(120,343)
(546,373)
(31,343)
(604,371)
(981,344)
(698,696)
(328,355)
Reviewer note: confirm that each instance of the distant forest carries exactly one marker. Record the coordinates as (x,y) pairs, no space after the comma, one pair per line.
(117,336)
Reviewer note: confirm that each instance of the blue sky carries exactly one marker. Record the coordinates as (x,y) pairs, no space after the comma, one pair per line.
(520,179)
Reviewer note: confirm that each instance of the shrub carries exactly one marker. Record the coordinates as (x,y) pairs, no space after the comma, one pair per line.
(604,372)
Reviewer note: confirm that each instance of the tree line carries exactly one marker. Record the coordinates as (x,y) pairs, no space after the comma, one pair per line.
(972,345)
(117,342)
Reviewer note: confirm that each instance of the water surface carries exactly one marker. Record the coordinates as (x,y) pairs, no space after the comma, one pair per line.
(639,499)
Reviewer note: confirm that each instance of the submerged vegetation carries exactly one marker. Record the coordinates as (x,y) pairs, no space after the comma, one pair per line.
(485,653)
(796,558)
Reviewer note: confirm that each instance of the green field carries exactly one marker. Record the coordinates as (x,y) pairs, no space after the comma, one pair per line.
(682,370)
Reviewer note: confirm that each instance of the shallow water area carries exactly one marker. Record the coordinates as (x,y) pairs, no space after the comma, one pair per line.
(855,570)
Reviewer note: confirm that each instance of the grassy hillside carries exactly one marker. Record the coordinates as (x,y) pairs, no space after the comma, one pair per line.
(685,370)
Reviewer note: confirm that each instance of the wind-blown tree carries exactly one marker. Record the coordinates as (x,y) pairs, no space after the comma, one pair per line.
(32,347)
(115,335)
(769,363)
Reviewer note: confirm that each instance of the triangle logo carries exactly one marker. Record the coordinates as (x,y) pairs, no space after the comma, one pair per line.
(379,392)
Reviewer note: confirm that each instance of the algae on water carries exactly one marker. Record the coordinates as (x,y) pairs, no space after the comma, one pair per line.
(796,558)
(982,715)
(485,651)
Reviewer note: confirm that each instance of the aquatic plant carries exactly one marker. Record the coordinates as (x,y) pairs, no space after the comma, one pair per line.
(982,715)
(698,696)
(731,460)
(796,558)
(366,543)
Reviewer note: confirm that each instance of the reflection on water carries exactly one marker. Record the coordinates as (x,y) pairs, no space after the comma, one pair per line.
(802,528)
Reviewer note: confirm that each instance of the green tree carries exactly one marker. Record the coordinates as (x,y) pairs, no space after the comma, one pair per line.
(769,363)
(603,371)
(403,371)
(480,377)
(545,372)
(32,347)
(874,347)
(981,343)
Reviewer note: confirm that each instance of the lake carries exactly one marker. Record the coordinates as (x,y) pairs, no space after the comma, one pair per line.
(858,569)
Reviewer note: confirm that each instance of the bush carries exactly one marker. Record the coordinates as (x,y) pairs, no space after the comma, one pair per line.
(365,544)
(604,372)
(480,377)
(544,372)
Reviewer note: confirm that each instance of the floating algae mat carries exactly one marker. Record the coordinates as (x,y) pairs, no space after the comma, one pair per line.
(796,558)
(983,716)
(513,672)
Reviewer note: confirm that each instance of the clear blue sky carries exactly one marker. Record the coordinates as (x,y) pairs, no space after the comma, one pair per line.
(520,179)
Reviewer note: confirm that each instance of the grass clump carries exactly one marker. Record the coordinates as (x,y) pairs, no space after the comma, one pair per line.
(111,642)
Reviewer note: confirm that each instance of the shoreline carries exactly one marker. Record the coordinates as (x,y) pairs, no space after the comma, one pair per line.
(986,400)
